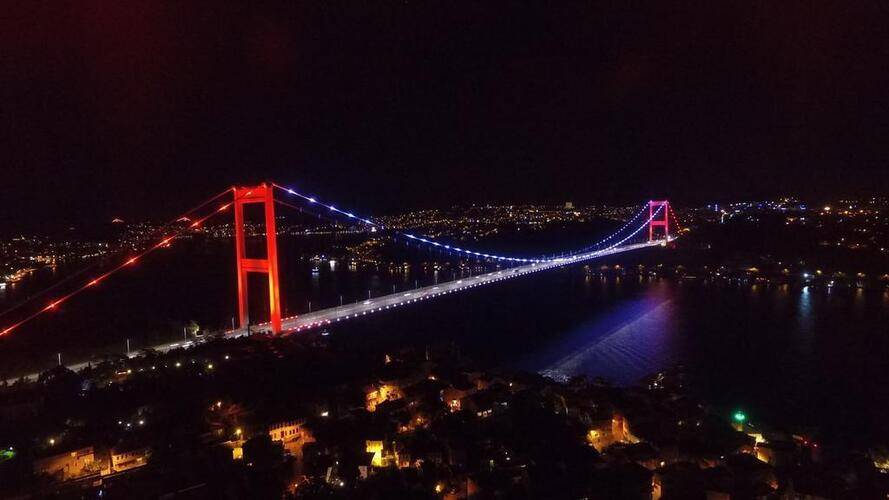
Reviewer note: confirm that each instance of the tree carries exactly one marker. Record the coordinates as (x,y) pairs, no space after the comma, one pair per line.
(193,327)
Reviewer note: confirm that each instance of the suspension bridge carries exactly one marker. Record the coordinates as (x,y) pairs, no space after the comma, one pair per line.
(656,217)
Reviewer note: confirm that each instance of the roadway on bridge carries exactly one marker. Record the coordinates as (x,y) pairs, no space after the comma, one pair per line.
(392,301)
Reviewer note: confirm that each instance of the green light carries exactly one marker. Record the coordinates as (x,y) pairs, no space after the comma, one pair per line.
(740,416)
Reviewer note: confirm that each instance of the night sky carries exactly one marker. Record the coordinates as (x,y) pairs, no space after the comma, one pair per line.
(139,109)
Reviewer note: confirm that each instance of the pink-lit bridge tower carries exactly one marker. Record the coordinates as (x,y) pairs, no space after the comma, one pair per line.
(263,193)
(663,221)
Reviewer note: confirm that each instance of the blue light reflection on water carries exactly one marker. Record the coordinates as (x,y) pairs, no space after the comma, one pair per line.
(624,343)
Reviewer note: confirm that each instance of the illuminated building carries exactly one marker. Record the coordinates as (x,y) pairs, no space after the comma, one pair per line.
(380,393)
(286,431)
(376,448)
(68,465)
(600,436)
(620,429)
(122,460)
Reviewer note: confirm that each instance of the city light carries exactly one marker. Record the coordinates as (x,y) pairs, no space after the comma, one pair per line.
(740,417)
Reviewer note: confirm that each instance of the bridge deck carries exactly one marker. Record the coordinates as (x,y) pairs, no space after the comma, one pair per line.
(386,302)
(391,301)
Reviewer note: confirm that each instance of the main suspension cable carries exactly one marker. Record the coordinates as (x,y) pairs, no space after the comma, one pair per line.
(432,242)
(97,262)
(165,241)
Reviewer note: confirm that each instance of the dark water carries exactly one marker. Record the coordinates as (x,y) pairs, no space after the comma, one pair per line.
(798,358)
(786,356)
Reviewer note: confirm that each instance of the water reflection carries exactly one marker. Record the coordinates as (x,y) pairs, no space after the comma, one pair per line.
(804,316)
(625,344)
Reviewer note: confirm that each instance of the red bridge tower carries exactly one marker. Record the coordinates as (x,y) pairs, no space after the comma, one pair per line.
(664,222)
(263,193)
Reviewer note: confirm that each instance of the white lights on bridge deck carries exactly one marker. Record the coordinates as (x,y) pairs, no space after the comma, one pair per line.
(300,323)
